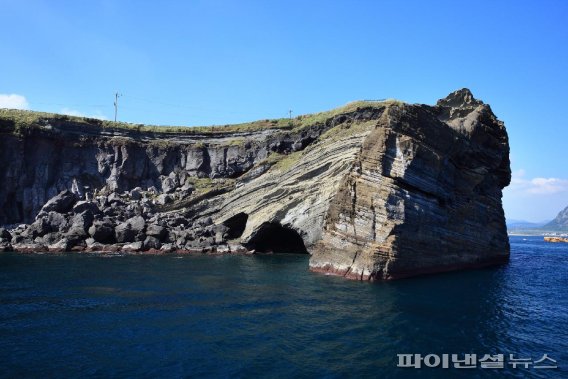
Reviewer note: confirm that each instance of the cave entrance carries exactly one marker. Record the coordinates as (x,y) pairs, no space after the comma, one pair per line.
(236,225)
(275,238)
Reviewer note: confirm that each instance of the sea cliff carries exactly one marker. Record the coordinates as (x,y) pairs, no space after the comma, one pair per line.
(372,190)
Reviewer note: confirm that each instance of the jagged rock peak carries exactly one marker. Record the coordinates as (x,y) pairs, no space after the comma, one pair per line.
(458,99)
(461,111)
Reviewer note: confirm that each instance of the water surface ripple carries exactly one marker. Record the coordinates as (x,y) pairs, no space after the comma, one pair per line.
(267,316)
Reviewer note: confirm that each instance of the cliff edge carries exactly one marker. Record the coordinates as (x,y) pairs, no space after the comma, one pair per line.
(372,190)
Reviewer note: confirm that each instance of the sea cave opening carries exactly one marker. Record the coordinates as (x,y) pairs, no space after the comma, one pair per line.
(236,225)
(272,237)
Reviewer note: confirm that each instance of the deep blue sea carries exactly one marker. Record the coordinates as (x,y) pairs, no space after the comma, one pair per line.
(88,316)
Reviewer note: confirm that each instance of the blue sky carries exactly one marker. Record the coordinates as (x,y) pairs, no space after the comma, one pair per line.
(218,62)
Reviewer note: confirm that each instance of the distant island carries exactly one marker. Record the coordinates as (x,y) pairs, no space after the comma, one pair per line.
(374,190)
(560,222)
(556,227)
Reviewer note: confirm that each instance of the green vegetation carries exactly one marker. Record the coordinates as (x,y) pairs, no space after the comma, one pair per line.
(161,143)
(204,188)
(282,162)
(19,121)
(321,117)
(343,130)
(288,161)
(273,158)
(235,142)
(202,184)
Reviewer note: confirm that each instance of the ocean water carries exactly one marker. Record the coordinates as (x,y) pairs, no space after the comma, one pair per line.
(268,316)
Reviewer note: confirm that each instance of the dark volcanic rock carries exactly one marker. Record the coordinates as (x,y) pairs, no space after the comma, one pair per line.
(38,228)
(152,243)
(102,231)
(62,245)
(6,247)
(157,231)
(61,203)
(133,247)
(52,222)
(80,224)
(131,230)
(82,206)
(5,235)
(373,190)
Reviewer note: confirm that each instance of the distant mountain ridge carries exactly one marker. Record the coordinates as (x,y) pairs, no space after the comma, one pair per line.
(522,224)
(560,222)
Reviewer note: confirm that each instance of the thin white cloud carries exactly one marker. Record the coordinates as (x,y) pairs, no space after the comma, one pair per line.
(517,177)
(547,186)
(74,112)
(13,101)
(536,186)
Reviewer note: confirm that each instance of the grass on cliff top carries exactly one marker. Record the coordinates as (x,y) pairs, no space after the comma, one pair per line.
(17,121)
(282,162)
(315,118)
(347,129)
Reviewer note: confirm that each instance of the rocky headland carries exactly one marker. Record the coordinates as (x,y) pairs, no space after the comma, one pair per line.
(372,190)
(560,222)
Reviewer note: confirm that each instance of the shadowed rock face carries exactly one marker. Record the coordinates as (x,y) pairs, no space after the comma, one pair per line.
(275,238)
(374,191)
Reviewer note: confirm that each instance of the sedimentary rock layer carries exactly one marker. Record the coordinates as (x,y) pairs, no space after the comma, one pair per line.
(423,195)
(373,190)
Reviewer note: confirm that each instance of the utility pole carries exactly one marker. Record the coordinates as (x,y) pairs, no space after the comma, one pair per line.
(116,96)
(290,112)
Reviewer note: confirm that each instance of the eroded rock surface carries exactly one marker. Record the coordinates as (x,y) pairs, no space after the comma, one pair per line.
(374,190)
(423,195)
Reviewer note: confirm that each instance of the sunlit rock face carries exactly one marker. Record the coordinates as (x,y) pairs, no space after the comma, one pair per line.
(373,190)
(423,195)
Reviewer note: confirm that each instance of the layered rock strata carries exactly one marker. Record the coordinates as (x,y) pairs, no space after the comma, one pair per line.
(423,195)
(373,191)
